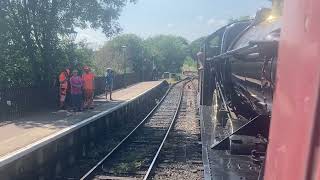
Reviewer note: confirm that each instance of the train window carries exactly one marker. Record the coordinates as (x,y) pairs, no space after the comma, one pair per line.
(215,42)
(214,46)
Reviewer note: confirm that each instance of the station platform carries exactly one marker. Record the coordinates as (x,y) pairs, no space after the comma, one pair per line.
(20,134)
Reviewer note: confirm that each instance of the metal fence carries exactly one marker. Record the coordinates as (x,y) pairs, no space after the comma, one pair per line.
(17,102)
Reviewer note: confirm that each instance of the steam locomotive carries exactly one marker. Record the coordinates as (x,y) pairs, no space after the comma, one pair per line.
(243,57)
(238,76)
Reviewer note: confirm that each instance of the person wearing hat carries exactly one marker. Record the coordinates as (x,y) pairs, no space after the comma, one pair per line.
(109,83)
(88,87)
(76,83)
(64,82)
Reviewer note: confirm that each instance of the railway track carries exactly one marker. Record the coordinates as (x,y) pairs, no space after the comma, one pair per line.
(135,155)
(181,157)
(104,145)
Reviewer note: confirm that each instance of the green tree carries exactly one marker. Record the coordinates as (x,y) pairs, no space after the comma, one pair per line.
(34,32)
(189,64)
(167,52)
(113,55)
(195,47)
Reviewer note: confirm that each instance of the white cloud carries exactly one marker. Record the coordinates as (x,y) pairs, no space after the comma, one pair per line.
(216,22)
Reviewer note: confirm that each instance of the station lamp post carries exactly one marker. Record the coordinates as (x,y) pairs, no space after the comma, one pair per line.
(153,63)
(124,48)
(72,37)
(144,68)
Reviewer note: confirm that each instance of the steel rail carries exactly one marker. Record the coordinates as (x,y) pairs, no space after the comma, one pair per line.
(167,134)
(89,173)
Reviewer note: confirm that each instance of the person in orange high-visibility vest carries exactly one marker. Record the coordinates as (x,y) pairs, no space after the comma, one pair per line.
(64,82)
(88,87)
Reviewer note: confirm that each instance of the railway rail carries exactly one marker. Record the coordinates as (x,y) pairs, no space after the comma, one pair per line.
(181,156)
(135,155)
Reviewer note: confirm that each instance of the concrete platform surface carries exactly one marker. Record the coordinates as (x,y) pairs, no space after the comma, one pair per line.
(32,128)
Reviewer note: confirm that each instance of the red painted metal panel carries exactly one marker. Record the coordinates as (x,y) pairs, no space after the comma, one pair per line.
(292,151)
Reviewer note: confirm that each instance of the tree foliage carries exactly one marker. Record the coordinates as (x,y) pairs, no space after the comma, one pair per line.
(189,64)
(34,34)
(195,47)
(36,41)
(114,55)
(166,53)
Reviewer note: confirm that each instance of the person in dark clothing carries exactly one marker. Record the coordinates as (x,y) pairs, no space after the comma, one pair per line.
(154,74)
(109,83)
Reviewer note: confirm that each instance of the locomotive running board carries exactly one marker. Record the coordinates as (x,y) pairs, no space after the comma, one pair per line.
(255,126)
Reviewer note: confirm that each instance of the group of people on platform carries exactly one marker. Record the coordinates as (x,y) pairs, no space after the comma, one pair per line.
(81,88)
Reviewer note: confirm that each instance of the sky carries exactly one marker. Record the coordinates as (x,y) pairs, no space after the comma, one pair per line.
(190,19)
